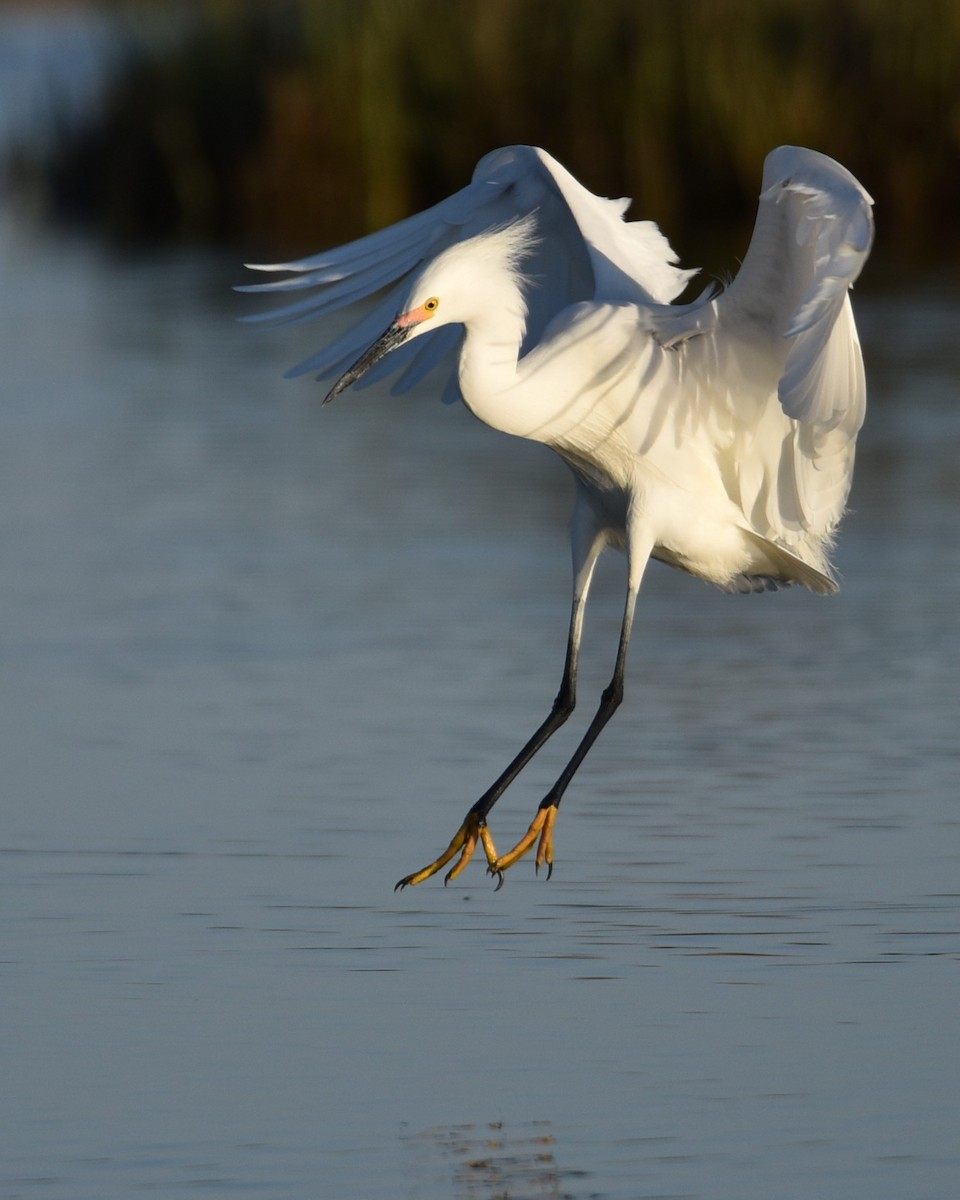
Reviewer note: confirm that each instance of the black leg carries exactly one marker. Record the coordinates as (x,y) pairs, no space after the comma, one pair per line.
(542,825)
(586,550)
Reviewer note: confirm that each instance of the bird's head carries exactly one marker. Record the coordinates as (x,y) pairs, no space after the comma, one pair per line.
(478,277)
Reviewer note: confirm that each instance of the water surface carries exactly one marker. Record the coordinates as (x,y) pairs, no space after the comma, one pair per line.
(258,658)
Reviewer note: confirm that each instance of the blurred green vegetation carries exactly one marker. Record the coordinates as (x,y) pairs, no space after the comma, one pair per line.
(289,124)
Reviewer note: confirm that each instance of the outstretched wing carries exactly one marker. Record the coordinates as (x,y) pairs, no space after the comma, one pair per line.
(584,250)
(786,318)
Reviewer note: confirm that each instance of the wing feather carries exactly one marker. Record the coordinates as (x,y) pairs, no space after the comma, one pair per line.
(783,338)
(777,352)
(814,232)
(584,251)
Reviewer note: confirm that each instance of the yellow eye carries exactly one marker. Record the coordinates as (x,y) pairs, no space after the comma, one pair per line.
(431,305)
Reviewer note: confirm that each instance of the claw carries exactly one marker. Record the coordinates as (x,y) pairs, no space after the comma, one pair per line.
(473,830)
(488,847)
(464,840)
(542,826)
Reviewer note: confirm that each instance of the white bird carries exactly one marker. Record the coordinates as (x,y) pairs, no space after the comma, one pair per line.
(716,436)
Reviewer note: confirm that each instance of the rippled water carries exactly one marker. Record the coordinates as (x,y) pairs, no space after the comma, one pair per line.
(257,660)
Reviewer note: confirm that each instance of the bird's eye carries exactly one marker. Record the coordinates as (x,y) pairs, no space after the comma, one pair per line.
(431,305)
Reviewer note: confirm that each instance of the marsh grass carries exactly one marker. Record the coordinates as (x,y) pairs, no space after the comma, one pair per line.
(291,124)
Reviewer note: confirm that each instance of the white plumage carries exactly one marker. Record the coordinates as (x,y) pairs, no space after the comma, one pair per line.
(717,436)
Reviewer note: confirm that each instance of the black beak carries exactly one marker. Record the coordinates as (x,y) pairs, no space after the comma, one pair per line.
(393,337)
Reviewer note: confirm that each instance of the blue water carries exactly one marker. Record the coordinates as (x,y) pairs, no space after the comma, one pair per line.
(258,659)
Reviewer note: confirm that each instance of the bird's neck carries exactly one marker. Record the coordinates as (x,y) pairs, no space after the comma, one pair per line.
(488,366)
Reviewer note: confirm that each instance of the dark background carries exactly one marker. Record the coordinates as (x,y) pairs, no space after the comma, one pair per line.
(282,126)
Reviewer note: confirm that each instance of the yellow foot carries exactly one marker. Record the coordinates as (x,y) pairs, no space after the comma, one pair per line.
(464,840)
(541,824)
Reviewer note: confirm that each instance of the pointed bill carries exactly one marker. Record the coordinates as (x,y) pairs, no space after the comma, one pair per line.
(393,337)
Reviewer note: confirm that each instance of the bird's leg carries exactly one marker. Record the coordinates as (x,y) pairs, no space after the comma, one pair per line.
(542,824)
(473,829)
(474,825)
(586,552)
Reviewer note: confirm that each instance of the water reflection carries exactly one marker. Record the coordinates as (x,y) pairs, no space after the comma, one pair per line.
(491,1161)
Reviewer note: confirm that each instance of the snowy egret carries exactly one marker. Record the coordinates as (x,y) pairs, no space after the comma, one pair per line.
(717,436)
